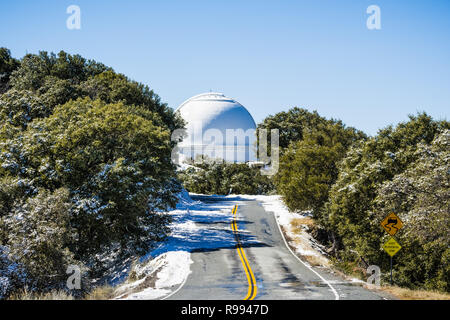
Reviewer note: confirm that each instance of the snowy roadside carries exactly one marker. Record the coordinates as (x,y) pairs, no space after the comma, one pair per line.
(203,226)
(196,226)
(295,228)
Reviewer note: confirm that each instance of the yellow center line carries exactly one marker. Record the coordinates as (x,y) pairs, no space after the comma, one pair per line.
(252,288)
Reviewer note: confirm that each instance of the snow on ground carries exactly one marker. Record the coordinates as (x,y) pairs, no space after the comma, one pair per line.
(206,226)
(156,277)
(196,226)
(297,236)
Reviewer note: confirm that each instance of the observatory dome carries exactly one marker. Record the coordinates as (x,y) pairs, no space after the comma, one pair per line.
(218,127)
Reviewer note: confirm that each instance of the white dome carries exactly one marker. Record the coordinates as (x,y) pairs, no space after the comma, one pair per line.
(214,121)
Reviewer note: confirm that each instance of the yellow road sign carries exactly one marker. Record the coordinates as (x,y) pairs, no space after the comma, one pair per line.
(392,224)
(392,247)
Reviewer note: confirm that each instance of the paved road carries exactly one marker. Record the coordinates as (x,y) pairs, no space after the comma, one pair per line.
(220,274)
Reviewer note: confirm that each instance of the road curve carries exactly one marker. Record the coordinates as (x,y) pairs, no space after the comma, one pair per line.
(220,274)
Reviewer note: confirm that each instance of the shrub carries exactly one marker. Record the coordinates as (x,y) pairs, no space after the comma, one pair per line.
(375,178)
(115,164)
(216,177)
(38,235)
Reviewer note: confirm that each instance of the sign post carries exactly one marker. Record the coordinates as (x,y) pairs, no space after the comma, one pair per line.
(392,224)
(391,270)
(391,247)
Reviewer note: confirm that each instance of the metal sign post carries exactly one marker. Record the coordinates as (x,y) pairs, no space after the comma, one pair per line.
(391,270)
(392,224)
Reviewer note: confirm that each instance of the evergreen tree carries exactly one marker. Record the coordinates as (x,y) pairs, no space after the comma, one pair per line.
(308,166)
(85,168)
(7,65)
(218,177)
(351,215)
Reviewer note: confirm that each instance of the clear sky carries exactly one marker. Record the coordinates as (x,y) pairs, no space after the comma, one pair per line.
(268,55)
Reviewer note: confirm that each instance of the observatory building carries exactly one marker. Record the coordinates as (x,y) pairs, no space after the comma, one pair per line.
(218,127)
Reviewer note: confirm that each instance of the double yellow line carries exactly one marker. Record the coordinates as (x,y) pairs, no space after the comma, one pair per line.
(252,288)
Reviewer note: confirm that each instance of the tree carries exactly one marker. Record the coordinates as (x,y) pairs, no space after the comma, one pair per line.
(291,124)
(350,214)
(308,167)
(421,197)
(111,159)
(295,123)
(112,87)
(7,65)
(218,177)
(57,79)
(18,108)
(88,149)
(34,70)
(306,174)
(38,235)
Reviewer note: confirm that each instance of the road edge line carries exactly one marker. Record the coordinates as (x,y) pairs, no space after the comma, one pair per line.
(336,295)
(181,285)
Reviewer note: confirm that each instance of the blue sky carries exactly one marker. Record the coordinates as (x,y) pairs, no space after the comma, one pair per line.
(268,55)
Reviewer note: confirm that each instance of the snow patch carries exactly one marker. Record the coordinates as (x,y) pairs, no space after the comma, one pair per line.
(166,271)
(299,239)
(196,226)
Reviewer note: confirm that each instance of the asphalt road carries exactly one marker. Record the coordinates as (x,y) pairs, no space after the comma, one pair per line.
(278,274)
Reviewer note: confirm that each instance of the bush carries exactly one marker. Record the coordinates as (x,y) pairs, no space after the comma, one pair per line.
(12,276)
(370,183)
(292,125)
(212,177)
(38,235)
(309,167)
(44,81)
(420,196)
(85,169)
(7,65)
(112,159)
(311,148)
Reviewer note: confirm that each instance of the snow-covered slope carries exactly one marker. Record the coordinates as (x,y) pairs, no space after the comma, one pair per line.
(166,267)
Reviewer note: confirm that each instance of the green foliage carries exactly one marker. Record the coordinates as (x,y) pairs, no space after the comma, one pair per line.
(420,196)
(18,108)
(112,87)
(213,177)
(7,65)
(352,182)
(291,124)
(34,70)
(38,232)
(50,80)
(394,171)
(306,174)
(112,161)
(85,168)
(313,147)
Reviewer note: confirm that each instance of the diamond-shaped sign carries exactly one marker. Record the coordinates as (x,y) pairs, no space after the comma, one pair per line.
(392,247)
(392,224)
